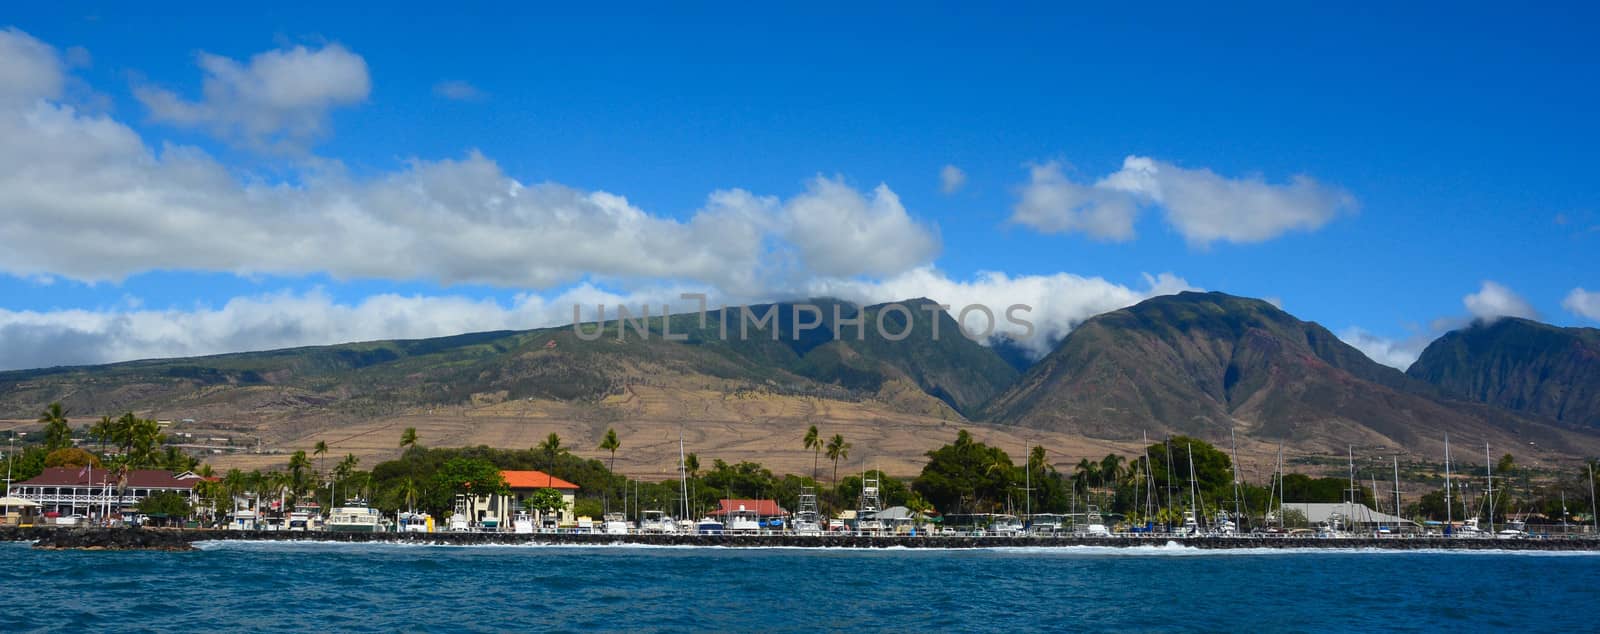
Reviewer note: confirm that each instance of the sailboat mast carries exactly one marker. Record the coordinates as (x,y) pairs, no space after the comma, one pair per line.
(1234,440)
(1194,491)
(1592,505)
(1150,478)
(1282,490)
(1488,470)
(1396,487)
(1027,478)
(1448,520)
(683,476)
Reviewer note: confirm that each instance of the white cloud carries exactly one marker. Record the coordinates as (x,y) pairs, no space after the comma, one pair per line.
(1052,203)
(1199,204)
(72,182)
(458,90)
(1585,304)
(1397,354)
(1058,302)
(279,100)
(839,232)
(1494,300)
(29,69)
(951,178)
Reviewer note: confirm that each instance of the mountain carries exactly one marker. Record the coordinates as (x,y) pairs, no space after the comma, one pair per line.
(920,373)
(1521,365)
(1206,364)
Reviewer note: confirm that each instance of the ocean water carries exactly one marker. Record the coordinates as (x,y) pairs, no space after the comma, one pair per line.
(239,586)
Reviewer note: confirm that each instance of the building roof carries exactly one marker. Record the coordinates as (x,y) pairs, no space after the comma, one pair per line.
(764,508)
(138,478)
(1318,512)
(535,480)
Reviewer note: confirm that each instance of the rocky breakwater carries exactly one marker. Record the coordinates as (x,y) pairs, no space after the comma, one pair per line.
(112,539)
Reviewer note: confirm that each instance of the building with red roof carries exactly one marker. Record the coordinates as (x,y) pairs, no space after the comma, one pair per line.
(522,484)
(765,508)
(93,490)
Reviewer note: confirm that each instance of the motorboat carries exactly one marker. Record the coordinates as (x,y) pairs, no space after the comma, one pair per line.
(744,521)
(1005,526)
(614,524)
(708,526)
(243,520)
(522,523)
(1094,526)
(1046,524)
(1223,524)
(490,523)
(807,521)
(458,523)
(1190,527)
(657,522)
(355,517)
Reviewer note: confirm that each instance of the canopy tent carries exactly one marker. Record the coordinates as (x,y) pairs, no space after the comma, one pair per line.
(16,501)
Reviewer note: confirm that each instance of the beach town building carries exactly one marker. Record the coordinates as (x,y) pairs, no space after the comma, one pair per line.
(90,492)
(1358,517)
(766,510)
(521,485)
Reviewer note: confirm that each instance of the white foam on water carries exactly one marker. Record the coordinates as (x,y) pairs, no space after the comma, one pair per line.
(1169,549)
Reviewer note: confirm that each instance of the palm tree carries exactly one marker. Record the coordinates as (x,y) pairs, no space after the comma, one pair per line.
(1111,469)
(610,443)
(1086,471)
(837,448)
(57,434)
(408,438)
(409,492)
(102,431)
(551,447)
(319,451)
(813,442)
(297,471)
(691,464)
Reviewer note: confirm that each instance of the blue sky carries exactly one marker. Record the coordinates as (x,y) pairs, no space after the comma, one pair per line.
(1439,147)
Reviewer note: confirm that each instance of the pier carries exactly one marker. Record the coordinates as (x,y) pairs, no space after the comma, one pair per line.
(178,540)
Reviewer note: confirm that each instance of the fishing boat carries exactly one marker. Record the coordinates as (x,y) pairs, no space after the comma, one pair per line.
(243,520)
(867,516)
(1223,524)
(1046,524)
(1008,526)
(522,523)
(657,523)
(458,523)
(708,526)
(614,524)
(490,523)
(1191,527)
(412,522)
(355,517)
(1095,526)
(807,520)
(744,521)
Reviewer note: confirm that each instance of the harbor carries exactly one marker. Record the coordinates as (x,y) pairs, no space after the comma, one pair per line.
(177,539)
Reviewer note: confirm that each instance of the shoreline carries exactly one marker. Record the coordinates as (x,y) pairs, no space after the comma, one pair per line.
(183,540)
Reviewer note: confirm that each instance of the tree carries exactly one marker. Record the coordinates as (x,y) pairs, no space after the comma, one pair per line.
(691,464)
(837,449)
(298,464)
(71,457)
(103,431)
(408,438)
(610,443)
(551,448)
(168,504)
(813,443)
(966,475)
(408,491)
(319,451)
(469,476)
(57,433)
(544,502)
(1506,465)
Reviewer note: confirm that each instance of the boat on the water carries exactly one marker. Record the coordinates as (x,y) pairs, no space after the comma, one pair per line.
(1006,526)
(708,526)
(657,523)
(614,524)
(522,523)
(355,517)
(490,523)
(416,523)
(1094,525)
(807,520)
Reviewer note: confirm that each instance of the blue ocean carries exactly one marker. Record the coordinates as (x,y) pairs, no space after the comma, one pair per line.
(237,586)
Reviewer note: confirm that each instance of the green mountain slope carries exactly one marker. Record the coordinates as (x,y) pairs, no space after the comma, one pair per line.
(1521,365)
(383,377)
(1208,363)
